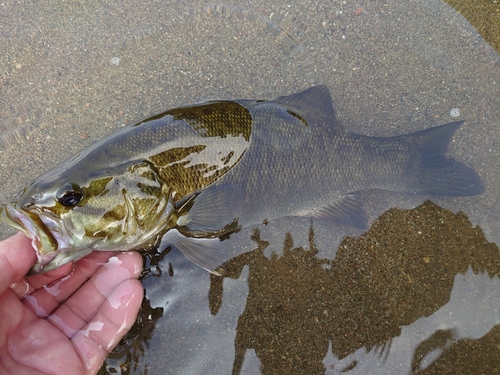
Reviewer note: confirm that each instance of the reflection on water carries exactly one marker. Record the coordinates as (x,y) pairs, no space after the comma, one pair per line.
(17,121)
(36,80)
(282,37)
(392,289)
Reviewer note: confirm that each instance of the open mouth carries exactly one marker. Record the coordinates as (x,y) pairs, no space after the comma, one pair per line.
(48,237)
(42,241)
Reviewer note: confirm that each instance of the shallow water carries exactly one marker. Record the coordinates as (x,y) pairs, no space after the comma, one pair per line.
(411,293)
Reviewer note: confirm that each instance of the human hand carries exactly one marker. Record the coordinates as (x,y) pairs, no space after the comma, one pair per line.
(67,320)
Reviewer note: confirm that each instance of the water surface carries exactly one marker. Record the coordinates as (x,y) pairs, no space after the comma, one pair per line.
(418,292)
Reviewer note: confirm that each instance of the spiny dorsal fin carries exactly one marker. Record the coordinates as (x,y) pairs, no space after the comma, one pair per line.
(315,102)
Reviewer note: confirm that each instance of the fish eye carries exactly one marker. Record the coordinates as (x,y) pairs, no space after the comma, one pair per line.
(69,194)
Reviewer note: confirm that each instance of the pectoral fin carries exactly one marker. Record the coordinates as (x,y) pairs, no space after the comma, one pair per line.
(206,219)
(208,253)
(212,209)
(347,210)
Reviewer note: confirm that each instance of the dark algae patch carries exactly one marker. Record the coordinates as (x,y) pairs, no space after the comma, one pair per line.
(484,15)
(401,270)
(467,356)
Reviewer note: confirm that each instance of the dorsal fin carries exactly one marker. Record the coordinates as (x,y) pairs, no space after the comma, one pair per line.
(315,102)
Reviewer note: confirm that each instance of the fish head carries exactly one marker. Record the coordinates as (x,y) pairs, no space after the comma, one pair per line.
(67,215)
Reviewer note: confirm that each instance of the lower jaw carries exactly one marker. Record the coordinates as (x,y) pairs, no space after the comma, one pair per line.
(40,267)
(39,239)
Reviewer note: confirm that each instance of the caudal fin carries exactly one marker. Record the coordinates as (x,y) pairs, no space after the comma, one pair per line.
(438,174)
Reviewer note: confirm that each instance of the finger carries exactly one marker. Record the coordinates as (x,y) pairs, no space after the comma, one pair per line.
(29,284)
(111,323)
(87,264)
(39,281)
(16,258)
(47,298)
(22,288)
(12,314)
(77,311)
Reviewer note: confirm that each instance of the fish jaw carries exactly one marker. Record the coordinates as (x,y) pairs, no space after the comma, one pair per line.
(55,260)
(48,245)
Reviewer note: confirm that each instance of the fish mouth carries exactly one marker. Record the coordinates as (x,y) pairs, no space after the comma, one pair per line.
(42,240)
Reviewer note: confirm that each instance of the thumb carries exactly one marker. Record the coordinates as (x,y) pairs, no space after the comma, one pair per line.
(16,258)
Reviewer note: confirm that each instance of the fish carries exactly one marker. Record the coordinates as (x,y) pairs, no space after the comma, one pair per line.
(193,176)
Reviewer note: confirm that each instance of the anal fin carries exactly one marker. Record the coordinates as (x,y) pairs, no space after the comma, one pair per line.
(346,210)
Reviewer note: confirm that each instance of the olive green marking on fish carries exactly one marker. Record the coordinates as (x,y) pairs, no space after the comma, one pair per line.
(102,228)
(217,119)
(175,155)
(96,188)
(220,119)
(173,169)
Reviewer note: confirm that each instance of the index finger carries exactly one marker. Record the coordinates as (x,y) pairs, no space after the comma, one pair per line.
(16,258)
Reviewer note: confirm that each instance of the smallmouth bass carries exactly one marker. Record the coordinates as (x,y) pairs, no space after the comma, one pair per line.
(192,176)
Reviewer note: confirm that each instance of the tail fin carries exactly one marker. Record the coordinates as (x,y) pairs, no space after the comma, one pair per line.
(438,174)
